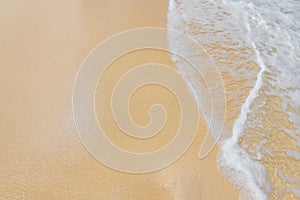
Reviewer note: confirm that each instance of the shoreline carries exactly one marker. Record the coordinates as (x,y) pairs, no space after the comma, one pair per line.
(44,44)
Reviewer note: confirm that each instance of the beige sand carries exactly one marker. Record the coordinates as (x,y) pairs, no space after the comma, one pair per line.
(42,44)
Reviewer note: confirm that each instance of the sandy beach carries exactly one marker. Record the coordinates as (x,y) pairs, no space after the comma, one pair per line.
(42,45)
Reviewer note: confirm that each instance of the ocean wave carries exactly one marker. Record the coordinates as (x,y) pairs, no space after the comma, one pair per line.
(256,47)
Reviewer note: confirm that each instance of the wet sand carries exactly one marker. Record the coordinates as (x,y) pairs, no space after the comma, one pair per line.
(42,45)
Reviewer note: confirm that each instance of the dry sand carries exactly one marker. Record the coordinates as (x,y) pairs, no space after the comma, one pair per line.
(42,44)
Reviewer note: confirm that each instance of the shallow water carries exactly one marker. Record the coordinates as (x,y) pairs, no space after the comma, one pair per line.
(256,47)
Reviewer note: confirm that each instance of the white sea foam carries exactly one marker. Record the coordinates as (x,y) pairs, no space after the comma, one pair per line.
(268,34)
